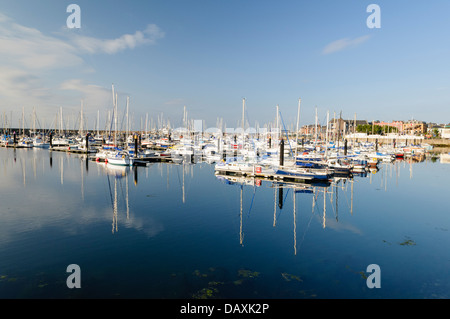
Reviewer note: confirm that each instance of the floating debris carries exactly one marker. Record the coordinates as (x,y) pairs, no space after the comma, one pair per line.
(246,273)
(199,274)
(408,242)
(205,293)
(215,283)
(238,282)
(363,274)
(290,277)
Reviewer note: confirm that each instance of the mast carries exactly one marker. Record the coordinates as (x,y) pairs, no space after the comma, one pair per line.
(335,128)
(339,131)
(81,120)
(61,121)
(185,118)
(146,124)
(114,107)
(315,130)
(23,121)
(34,121)
(98,122)
(354,131)
(326,137)
(128,128)
(115,122)
(296,136)
(278,127)
(243,123)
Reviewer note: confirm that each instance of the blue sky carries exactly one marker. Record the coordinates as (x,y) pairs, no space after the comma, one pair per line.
(208,55)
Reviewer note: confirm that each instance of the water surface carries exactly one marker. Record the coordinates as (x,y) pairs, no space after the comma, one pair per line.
(179,231)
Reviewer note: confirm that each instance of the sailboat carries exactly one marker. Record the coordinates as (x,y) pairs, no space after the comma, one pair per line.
(122,158)
(117,156)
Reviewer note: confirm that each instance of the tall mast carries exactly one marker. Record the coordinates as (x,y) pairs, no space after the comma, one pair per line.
(23,121)
(61,121)
(315,130)
(243,123)
(278,127)
(298,119)
(34,121)
(326,137)
(146,124)
(128,128)
(114,113)
(354,132)
(81,119)
(115,122)
(98,122)
(184,118)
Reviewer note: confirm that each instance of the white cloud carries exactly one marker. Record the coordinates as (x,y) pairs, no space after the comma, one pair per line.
(342,44)
(39,69)
(126,41)
(30,48)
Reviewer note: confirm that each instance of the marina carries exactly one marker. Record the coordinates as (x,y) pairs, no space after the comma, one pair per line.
(194,214)
(183,230)
(251,154)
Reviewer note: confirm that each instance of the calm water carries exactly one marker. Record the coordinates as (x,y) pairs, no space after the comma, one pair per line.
(178,231)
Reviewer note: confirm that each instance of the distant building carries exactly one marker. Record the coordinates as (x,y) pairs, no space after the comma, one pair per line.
(343,127)
(445,132)
(414,127)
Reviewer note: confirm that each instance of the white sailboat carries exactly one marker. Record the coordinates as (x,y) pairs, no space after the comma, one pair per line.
(122,158)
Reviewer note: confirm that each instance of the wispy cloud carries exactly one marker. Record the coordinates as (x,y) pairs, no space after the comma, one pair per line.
(344,43)
(127,41)
(39,69)
(30,49)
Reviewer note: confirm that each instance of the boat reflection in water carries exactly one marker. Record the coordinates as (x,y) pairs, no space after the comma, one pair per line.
(327,190)
(118,173)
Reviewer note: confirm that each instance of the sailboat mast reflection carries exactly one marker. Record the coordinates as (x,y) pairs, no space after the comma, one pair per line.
(241,232)
(295,224)
(118,173)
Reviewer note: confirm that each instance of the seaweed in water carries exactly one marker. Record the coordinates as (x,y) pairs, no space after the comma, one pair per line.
(408,242)
(290,277)
(246,273)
